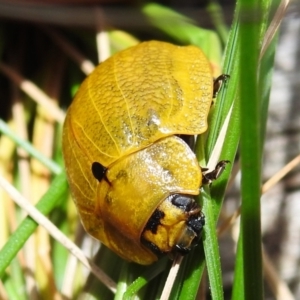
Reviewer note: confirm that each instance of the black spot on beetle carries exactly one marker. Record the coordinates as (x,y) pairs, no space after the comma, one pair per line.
(196,223)
(181,201)
(154,221)
(99,171)
(152,247)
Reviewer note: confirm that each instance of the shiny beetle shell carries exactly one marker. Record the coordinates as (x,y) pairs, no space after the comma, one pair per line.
(131,177)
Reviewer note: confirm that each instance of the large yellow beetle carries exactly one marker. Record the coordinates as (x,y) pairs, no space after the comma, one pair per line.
(131,176)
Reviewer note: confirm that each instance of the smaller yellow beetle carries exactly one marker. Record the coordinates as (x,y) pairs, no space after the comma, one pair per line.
(131,173)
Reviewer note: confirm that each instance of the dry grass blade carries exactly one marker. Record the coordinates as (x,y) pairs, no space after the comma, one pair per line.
(85,64)
(214,158)
(56,233)
(171,278)
(274,25)
(19,119)
(34,92)
(2,292)
(229,221)
(279,288)
(279,175)
(267,185)
(102,38)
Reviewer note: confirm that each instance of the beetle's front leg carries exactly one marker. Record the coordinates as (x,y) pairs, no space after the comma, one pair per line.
(209,177)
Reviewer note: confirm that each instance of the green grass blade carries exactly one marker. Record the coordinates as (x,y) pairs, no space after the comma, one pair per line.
(10,288)
(250,150)
(228,93)
(211,207)
(265,81)
(184,30)
(190,274)
(211,248)
(215,10)
(238,290)
(149,273)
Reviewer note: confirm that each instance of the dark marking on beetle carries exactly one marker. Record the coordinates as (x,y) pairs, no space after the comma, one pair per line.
(154,221)
(108,199)
(181,201)
(152,247)
(122,175)
(99,171)
(196,222)
(185,202)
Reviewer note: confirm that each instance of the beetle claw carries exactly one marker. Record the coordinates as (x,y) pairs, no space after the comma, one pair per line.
(218,83)
(209,177)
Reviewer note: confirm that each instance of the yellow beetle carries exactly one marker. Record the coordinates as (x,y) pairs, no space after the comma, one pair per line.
(131,176)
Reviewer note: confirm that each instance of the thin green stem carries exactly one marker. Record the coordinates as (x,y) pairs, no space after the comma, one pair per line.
(250,149)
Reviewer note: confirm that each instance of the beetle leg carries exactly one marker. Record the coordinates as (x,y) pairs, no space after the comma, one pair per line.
(218,83)
(209,177)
